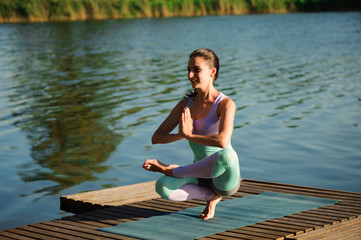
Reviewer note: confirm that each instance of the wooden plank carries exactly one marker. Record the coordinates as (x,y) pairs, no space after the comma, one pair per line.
(96,218)
(344,230)
(9,235)
(305,226)
(316,223)
(113,196)
(301,190)
(78,219)
(254,232)
(207,238)
(29,234)
(138,212)
(317,215)
(234,235)
(276,232)
(134,189)
(350,204)
(155,206)
(284,226)
(95,234)
(53,232)
(313,217)
(130,216)
(333,209)
(78,224)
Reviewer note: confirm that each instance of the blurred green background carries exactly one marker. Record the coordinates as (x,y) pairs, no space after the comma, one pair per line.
(65,10)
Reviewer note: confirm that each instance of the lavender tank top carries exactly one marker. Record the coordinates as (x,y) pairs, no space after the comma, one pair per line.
(208,125)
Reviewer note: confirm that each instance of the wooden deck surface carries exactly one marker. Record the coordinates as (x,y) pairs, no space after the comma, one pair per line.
(109,207)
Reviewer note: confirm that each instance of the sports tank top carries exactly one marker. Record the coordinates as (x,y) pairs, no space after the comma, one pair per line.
(208,125)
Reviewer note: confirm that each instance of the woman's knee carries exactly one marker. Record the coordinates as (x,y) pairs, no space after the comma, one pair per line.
(227,157)
(165,185)
(162,186)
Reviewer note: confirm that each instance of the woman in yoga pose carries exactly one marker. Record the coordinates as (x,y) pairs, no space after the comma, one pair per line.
(205,118)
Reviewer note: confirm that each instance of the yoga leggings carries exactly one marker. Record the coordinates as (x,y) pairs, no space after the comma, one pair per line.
(220,170)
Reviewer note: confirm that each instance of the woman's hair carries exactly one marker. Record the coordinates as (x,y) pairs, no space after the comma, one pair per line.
(212,60)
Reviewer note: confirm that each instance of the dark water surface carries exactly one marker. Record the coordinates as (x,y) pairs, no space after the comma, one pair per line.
(79,102)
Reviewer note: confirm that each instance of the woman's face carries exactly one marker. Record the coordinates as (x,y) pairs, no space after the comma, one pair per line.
(200,73)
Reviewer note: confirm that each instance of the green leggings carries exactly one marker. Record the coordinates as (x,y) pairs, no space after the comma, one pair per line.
(218,172)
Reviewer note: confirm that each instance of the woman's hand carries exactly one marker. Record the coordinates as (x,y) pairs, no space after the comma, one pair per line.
(186,123)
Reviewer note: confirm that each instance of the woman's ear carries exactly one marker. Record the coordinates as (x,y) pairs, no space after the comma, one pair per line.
(213,72)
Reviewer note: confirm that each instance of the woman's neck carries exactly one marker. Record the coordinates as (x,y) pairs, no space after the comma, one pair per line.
(208,95)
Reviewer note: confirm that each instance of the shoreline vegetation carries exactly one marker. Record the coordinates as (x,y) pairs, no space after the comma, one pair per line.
(14,11)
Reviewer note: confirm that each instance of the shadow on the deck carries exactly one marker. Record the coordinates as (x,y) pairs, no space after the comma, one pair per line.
(121,213)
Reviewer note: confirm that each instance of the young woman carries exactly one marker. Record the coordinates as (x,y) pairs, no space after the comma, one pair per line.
(205,118)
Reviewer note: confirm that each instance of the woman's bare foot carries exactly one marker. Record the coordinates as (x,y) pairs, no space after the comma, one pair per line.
(208,212)
(154,165)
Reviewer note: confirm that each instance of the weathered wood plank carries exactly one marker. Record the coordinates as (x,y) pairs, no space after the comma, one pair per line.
(9,235)
(344,230)
(252,231)
(79,219)
(301,190)
(95,234)
(31,234)
(59,233)
(334,210)
(108,197)
(305,226)
(302,219)
(234,235)
(284,227)
(274,232)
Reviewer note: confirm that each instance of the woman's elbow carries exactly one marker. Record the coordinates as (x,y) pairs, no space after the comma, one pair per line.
(154,139)
(223,143)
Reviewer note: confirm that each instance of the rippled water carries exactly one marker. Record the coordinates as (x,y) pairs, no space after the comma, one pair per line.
(79,102)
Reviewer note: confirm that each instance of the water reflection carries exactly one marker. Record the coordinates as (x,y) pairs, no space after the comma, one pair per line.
(63,107)
(78,95)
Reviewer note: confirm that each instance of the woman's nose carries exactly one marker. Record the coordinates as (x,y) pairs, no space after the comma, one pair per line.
(190,74)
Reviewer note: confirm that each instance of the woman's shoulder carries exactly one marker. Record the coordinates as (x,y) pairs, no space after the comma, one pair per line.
(182,103)
(226,103)
(225,99)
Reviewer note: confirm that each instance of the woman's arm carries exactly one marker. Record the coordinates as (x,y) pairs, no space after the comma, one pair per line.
(226,111)
(163,133)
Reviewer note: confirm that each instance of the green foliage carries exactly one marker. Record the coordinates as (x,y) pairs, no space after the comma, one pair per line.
(44,10)
(59,8)
(75,5)
(24,8)
(135,7)
(6,9)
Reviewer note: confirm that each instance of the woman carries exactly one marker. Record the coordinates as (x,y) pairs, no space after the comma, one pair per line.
(205,118)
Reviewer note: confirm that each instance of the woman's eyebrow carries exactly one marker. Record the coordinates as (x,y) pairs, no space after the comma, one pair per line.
(194,67)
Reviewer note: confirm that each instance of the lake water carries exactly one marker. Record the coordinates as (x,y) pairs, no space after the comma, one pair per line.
(79,102)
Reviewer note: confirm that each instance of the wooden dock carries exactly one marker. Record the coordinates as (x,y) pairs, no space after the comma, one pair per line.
(109,207)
